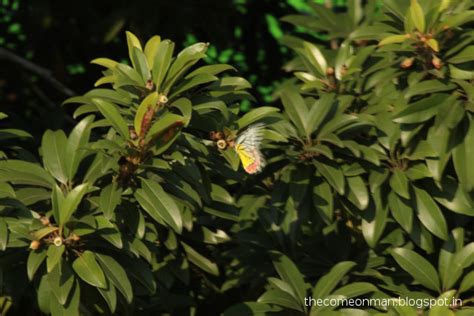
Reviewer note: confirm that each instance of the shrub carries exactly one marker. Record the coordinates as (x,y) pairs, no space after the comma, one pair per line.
(367,192)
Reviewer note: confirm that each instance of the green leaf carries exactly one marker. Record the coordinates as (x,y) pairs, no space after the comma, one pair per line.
(333,175)
(200,261)
(42,232)
(318,112)
(3,234)
(105,62)
(101,81)
(255,115)
(151,48)
(374,220)
(281,298)
(356,289)
(420,111)
(162,62)
(6,190)
(111,112)
(417,16)
(109,231)
(210,69)
(443,309)
(43,294)
(315,57)
(328,282)
(459,18)
(418,267)
(193,82)
(399,183)
(323,201)
(185,60)
(231,157)
(162,124)
(462,155)
(358,193)
(207,106)
(185,106)
(295,108)
(393,39)
(35,259)
(53,147)
(116,275)
(149,102)
(159,205)
(127,76)
(433,44)
(464,56)
(401,210)
(110,198)
(461,260)
(23,172)
(110,296)
(12,133)
(75,147)
(61,280)
(430,214)
(69,309)
(290,274)
(89,270)
(54,256)
(69,204)
(132,41)
(452,196)
(140,64)
(467,282)
(427,87)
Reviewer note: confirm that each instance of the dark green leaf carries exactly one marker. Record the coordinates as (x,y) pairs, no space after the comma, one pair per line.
(53,147)
(54,256)
(89,270)
(418,267)
(200,261)
(159,205)
(430,214)
(35,259)
(328,282)
(110,197)
(117,275)
(111,112)
(290,274)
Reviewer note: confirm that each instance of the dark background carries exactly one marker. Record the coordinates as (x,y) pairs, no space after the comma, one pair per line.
(46,46)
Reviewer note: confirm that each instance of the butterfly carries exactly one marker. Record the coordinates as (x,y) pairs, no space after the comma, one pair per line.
(247,146)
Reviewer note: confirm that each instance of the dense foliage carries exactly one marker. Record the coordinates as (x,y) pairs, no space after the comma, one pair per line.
(367,191)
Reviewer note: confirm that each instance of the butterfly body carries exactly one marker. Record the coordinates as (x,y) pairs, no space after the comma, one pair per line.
(247,146)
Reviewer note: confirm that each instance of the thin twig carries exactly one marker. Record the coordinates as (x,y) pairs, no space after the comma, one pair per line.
(38,70)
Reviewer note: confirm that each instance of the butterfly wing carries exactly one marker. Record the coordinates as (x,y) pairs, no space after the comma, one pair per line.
(247,146)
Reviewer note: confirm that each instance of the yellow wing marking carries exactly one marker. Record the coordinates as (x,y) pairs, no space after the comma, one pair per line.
(245,156)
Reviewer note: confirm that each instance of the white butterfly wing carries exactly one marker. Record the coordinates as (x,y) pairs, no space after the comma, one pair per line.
(249,142)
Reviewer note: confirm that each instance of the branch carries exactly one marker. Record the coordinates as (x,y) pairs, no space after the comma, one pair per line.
(38,70)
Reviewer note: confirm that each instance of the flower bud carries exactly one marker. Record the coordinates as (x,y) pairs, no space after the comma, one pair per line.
(330,71)
(407,62)
(163,99)
(44,220)
(149,84)
(221,144)
(436,62)
(219,135)
(35,244)
(58,241)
